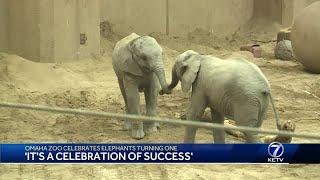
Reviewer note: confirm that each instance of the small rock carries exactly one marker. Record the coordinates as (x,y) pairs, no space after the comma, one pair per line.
(169,104)
(255,49)
(177,115)
(283,50)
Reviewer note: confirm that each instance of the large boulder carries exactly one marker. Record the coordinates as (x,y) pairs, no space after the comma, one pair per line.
(305,37)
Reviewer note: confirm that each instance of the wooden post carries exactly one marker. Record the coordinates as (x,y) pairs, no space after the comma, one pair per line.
(284,34)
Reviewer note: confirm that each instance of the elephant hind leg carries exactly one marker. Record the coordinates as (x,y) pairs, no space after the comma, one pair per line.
(252,137)
(248,116)
(218,134)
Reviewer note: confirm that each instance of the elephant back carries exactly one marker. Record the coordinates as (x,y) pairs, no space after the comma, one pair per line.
(122,44)
(248,77)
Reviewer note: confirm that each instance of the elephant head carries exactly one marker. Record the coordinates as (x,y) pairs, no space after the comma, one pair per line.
(146,57)
(185,69)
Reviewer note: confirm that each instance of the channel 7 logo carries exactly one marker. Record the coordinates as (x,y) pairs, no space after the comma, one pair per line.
(275,150)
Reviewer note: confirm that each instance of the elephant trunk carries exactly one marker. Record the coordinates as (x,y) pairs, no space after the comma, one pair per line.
(175,78)
(162,79)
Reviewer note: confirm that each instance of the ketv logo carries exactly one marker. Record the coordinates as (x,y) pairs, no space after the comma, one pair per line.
(275,150)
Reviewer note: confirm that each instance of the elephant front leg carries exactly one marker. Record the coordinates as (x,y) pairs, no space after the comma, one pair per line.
(151,96)
(133,98)
(196,110)
(127,123)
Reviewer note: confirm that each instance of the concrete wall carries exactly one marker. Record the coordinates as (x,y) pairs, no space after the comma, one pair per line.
(61,23)
(24,28)
(268,9)
(299,5)
(47,42)
(49,30)
(141,16)
(89,23)
(221,18)
(181,17)
(281,11)
(291,8)
(4,14)
(66,32)
(176,17)
(72,17)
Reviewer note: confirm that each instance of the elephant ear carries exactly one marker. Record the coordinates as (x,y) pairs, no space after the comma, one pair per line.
(130,65)
(190,68)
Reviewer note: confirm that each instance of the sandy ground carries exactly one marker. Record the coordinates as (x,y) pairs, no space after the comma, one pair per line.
(91,84)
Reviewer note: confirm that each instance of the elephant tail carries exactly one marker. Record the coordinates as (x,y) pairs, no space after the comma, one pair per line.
(268,93)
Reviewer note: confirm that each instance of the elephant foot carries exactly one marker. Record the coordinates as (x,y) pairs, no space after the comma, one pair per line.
(252,139)
(137,134)
(188,141)
(127,125)
(152,128)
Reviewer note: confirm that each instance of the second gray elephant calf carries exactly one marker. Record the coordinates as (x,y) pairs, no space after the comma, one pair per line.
(137,62)
(232,88)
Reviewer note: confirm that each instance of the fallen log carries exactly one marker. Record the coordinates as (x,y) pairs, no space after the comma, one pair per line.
(286,126)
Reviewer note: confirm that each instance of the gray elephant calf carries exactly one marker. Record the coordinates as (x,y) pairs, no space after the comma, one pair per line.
(233,88)
(137,62)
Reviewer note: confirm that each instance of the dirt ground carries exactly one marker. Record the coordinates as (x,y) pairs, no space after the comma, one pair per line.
(91,84)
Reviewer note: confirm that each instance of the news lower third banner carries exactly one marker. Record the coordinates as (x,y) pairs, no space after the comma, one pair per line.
(160,153)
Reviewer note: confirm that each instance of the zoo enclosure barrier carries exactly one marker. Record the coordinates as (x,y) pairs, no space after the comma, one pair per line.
(154,119)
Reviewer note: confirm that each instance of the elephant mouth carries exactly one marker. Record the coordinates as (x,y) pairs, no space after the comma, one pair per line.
(146,69)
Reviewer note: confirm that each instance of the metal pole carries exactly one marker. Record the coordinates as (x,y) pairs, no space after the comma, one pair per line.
(154,119)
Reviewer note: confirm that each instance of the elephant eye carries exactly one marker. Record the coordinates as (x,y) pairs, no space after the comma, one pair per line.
(144,58)
(183,70)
